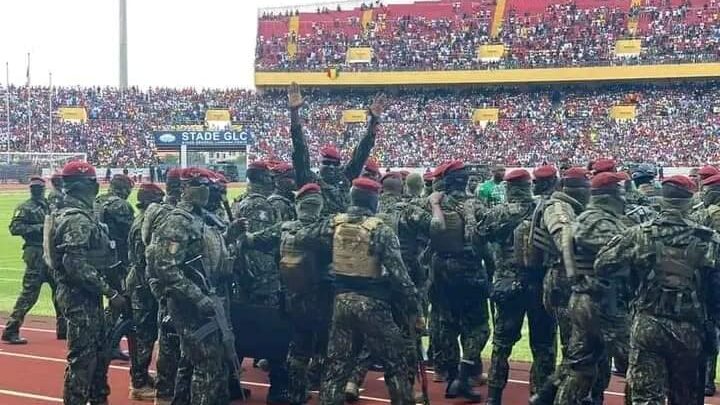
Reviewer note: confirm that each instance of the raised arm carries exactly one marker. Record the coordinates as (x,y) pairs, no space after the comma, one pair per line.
(362,151)
(300,154)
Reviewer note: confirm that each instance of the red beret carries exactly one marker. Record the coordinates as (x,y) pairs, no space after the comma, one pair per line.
(37,181)
(367,184)
(575,173)
(192,173)
(122,179)
(448,167)
(310,188)
(391,175)
(174,173)
(259,165)
(428,176)
(372,166)
(712,180)
(329,152)
(517,175)
(683,182)
(273,162)
(404,173)
(604,165)
(281,168)
(607,179)
(545,172)
(220,178)
(78,169)
(707,171)
(151,188)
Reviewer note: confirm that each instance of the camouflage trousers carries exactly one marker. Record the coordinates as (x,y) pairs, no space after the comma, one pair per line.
(168,354)
(145,315)
(88,357)
(202,377)
(310,315)
(510,314)
(711,356)
(556,296)
(36,274)
(665,357)
(594,338)
(458,312)
(357,317)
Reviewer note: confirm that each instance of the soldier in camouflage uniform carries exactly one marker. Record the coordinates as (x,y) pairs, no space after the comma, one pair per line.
(371,169)
(282,198)
(27,222)
(176,246)
(309,293)
(143,303)
(554,238)
(218,198)
(517,284)
(168,340)
(709,216)
(672,266)
(78,249)
(258,280)
(334,178)
(370,276)
(597,308)
(413,187)
(459,284)
(410,223)
(113,210)
(700,176)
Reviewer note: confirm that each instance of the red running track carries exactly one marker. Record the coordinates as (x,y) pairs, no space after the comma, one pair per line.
(33,374)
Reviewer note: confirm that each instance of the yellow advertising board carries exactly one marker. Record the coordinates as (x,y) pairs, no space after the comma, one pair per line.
(628,47)
(354,116)
(482,115)
(359,55)
(366,19)
(78,114)
(217,115)
(623,112)
(490,52)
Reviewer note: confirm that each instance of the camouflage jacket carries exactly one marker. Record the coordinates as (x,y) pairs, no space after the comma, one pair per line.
(155,214)
(283,206)
(709,217)
(176,244)
(560,212)
(336,195)
(136,254)
(28,220)
(259,278)
(593,229)
(118,215)
(83,249)
(384,245)
(671,264)
(410,222)
(55,199)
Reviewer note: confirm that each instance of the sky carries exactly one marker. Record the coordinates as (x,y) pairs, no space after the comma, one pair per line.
(171,43)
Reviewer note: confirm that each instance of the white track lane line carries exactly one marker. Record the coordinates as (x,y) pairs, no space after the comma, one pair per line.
(28,395)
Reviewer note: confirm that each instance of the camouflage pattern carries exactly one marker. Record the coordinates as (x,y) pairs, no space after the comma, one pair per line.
(144,307)
(335,191)
(259,277)
(598,313)
(560,212)
(666,337)
(458,293)
(310,313)
(27,222)
(179,239)
(517,293)
(168,340)
(83,247)
(55,198)
(363,311)
(283,207)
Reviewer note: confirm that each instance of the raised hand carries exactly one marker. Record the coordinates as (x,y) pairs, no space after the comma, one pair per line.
(378,106)
(295,99)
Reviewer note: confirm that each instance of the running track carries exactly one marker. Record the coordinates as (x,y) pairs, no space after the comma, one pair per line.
(33,374)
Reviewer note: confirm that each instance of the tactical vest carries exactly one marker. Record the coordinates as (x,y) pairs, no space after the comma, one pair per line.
(100,254)
(154,215)
(541,245)
(516,247)
(452,238)
(351,247)
(298,266)
(673,287)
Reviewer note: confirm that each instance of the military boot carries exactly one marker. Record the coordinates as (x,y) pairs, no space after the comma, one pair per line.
(460,385)
(494,396)
(61,329)
(710,375)
(146,393)
(12,336)
(352,392)
(120,355)
(545,396)
(163,401)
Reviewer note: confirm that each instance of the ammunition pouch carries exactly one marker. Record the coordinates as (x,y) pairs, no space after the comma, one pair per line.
(352,256)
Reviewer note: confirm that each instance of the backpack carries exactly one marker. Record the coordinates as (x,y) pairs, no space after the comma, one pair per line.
(298,267)
(351,247)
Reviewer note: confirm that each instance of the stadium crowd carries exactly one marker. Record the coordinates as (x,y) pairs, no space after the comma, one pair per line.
(563,34)
(676,124)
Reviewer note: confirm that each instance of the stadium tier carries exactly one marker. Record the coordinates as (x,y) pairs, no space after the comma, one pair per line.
(674,124)
(465,34)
